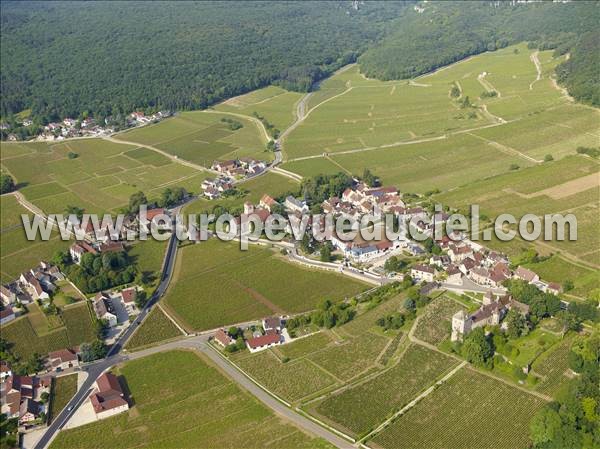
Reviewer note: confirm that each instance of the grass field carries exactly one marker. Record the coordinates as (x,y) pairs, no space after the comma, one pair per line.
(558,269)
(201,137)
(100,179)
(148,256)
(362,407)
(216,284)
(155,328)
(466,412)
(63,389)
(275,104)
(78,328)
(435,324)
(202,408)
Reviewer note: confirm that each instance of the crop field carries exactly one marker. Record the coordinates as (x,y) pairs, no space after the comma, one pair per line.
(270,183)
(365,321)
(216,283)
(63,389)
(78,328)
(155,328)
(305,346)
(435,324)
(363,406)
(275,104)
(467,411)
(201,137)
(291,381)
(17,253)
(100,179)
(552,366)
(203,408)
(370,113)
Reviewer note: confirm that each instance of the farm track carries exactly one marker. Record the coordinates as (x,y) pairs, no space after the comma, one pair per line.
(538,67)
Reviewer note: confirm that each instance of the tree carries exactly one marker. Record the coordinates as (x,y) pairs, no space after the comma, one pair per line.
(141,299)
(516,324)
(544,426)
(478,349)
(44,397)
(548,158)
(74,210)
(135,201)
(326,253)
(7,183)
(369,178)
(568,285)
(234,331)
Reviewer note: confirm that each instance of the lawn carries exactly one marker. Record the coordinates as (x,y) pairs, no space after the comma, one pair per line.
(525,350)
(216,283)
(79,327)
(66,294)
(469,411)
(363,406)
(203,408)
(63,389)
(155,328)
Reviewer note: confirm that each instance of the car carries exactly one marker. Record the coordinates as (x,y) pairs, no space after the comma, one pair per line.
(69,408)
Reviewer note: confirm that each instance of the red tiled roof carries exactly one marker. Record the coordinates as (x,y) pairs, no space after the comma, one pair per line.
(8,311)
(264,340)
(128,294)
(222,337)
(65,355)
(150,214)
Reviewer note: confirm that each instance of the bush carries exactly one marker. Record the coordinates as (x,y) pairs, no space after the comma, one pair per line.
(72,155)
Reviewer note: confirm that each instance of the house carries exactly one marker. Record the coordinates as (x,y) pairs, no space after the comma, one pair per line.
(272,323)
(128,297)
(29,411)
(422,273)
(5,370)
(111,247)
(294,205)
(459,253)
(77,250)
(268,340)
(7,315)
(104,309)
(7,295)
(222,338)
(227,167)
(32,284)
(554,288)
(526,275)
(62,359)
(267,202)
(154,217)
(454,275)
(108,399)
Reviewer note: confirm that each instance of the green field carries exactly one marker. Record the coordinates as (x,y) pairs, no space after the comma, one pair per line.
(558,269)
(100,179)
(216,284)
(275,104)
(201,137)
(63,389)
(202,408)
(155,328)
(148,256)
(78,328)
(552,367)
(362,407)
(435,324)
(315,362)
(469,411)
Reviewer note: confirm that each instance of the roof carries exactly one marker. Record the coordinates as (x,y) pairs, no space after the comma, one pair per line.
(150,214)
(264,340)
(8,311)
(64,355)
(423,268)
(108,382)
(223,337)
(272,322)
(112,247)
(525,274)
(128,294)
(269,201)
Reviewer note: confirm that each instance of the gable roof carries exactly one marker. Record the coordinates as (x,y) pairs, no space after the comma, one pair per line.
(128,294)
(264,340)
(525,274)
(64,355)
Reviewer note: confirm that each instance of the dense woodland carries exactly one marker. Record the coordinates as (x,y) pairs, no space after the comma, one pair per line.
(446,32)
(68,58)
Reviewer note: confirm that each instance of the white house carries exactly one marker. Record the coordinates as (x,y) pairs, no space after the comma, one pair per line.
(294,205)
(104,309)
(7,315)
(263,342)
(422,273)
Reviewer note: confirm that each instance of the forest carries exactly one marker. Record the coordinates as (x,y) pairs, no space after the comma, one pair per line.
(65,59)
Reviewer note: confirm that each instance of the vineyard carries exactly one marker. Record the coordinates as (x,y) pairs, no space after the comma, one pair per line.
(469,411)
(291,381)
(155,328)
(434,326)
(552,367)
(362,407)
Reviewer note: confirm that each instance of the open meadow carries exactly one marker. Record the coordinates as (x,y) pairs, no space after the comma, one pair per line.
(202,408)
(100,178)
(468,411)
(215,283)
(202,137)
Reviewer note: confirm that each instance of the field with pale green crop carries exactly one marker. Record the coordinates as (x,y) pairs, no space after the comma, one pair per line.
(202,137)
(216,284)
(466,412)
(155,328)
(199,408)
